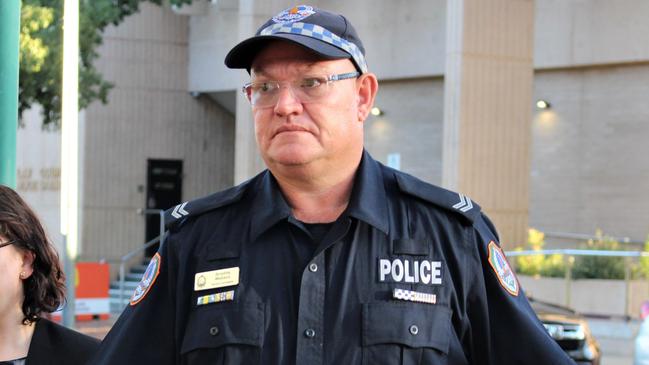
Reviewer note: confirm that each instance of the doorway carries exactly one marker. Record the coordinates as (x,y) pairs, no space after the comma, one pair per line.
(164,190)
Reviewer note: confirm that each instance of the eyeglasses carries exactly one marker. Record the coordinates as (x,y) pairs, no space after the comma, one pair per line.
(3,244)
(264,94)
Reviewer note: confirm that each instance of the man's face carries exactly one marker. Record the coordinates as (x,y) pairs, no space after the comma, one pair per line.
(296,133)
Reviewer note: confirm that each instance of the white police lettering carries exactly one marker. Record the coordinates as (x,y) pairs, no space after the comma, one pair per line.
(406,271)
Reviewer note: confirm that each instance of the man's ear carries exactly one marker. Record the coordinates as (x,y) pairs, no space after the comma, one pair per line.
(368,86)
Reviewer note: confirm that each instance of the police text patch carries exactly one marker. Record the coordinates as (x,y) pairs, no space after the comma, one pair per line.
(410,271)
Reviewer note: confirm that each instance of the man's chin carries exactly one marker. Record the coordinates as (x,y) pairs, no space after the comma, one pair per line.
(292,158)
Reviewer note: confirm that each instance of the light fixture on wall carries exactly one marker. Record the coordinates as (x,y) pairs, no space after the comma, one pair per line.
(377,112)
(543,104)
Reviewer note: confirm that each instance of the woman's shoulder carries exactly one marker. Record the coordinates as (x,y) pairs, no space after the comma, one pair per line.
(56,332)
(57,340)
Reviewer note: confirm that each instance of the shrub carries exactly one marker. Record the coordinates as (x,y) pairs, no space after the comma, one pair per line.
(539,265)
(642,269)
(599,267)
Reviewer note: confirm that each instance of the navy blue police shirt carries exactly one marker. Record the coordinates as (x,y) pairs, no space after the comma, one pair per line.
(409,274)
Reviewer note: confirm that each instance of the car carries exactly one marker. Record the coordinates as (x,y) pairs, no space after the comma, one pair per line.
(570,330)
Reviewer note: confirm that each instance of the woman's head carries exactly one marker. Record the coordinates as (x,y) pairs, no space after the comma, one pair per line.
(30,271)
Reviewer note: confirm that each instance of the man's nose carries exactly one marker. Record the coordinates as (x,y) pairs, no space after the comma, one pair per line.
(287,103)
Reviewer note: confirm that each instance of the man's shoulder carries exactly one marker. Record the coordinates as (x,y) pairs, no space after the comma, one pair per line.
(431,194)
(175,216)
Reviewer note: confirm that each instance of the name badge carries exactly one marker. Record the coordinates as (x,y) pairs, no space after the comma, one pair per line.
(216,278)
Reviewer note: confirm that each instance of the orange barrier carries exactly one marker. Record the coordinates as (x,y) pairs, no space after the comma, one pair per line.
(92,281)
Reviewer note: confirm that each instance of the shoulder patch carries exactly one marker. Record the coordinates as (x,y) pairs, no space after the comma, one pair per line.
(447,199)
(180,212)
(501,267)
(149,277)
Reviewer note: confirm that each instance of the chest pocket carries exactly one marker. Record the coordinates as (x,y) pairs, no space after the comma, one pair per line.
(224,333)
(405,333)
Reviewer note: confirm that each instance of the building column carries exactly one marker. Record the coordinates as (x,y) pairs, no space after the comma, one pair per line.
(247,161)
(487,108)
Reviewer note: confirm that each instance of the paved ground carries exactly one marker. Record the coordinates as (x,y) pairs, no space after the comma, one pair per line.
(615,337)
(96,328)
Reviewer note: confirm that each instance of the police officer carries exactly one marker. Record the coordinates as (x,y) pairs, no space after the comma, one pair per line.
(327,257)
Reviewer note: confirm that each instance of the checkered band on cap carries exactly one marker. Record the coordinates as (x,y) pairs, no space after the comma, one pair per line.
(322,34)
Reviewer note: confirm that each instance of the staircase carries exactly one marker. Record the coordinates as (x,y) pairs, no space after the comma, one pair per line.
(131,280)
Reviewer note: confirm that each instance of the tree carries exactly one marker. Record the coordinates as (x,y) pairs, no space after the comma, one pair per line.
(41,38)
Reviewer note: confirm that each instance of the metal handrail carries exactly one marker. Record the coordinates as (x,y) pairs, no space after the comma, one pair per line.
(574,252)
(587,237)
(127,257)
(569,253)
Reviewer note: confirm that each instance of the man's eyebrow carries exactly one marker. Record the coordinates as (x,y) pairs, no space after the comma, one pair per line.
(307,67)
(255,71)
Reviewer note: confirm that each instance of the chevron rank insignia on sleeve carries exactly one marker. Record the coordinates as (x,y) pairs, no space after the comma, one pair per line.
(465,204)
(179,211)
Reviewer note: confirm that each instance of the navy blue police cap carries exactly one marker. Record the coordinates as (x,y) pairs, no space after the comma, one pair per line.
(329,35)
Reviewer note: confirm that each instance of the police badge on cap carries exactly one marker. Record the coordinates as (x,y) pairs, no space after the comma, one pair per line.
(294,14)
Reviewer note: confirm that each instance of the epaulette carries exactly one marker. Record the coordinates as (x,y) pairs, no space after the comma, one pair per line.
(183,211)
(455,202)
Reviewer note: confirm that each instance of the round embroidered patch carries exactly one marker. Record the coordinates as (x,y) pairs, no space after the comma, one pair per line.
(502,269)
(149,277)
(294,14)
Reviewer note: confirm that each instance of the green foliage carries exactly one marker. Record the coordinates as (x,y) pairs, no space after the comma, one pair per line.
(642,269)
(539,265)
(598,267)
(41,48)
(583,267)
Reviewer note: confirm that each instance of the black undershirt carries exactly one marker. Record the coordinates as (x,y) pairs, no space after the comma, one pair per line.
(318,231)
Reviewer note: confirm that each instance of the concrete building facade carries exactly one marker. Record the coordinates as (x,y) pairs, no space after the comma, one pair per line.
(587,165)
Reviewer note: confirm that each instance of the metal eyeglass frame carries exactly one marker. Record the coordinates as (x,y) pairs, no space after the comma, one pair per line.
(329,79)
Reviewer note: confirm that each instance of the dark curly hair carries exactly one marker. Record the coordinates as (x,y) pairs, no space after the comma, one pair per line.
(45,288)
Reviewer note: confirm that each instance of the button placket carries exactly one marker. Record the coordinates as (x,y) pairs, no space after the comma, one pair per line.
(310,348)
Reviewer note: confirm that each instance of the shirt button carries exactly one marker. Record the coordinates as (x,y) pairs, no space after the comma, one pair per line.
(214,331)
(313,267)
(309,332)
(414,330)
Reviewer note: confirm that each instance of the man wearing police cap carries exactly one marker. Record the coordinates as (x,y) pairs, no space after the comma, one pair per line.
(327,257)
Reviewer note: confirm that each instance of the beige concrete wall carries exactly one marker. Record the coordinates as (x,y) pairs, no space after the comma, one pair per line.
(406,38)
(403,38)
(605,297)
(410,127)
(589,160)
(488,85)
(588,170)
(150,114)
(38,162)
(577,32)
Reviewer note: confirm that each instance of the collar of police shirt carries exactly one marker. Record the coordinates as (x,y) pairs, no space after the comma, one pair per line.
(368,199)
